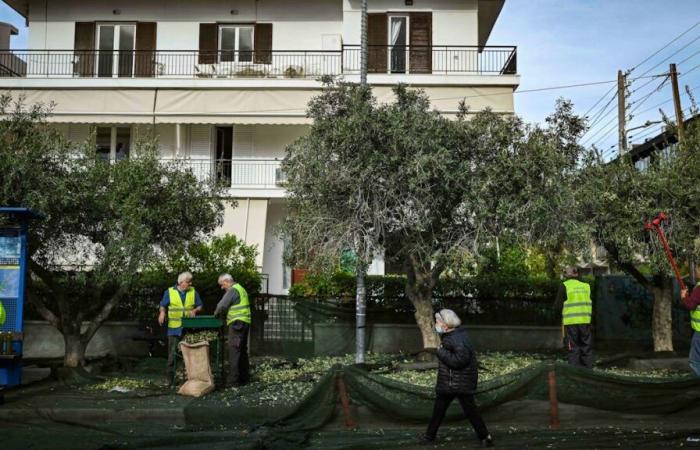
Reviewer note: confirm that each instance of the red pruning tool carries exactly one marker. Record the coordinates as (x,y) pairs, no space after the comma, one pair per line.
(656,225)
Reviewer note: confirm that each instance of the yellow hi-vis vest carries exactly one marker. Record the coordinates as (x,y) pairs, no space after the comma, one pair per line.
(240,311)
(176,310)
(578,307)
(694,318)
(3,314)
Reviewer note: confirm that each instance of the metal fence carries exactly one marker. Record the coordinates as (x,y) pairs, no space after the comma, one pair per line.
(229,64)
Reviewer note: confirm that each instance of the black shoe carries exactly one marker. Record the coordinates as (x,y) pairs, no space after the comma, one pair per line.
(487,441)
(425,439)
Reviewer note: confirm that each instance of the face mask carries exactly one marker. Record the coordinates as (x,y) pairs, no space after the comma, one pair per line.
(439,329)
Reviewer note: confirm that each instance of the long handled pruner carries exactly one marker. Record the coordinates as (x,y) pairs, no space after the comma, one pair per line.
(656,226)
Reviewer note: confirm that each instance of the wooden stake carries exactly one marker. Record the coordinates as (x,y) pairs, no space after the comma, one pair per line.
(350,423)
(553,402)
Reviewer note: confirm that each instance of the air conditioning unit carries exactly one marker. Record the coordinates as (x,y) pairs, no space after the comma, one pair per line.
(280,177)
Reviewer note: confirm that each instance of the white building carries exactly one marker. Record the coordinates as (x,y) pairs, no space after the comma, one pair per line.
(226,83)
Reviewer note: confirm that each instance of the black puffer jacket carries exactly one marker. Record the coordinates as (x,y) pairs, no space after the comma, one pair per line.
(458,368)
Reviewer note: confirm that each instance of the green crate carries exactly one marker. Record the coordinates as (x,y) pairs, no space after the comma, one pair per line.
(202,322)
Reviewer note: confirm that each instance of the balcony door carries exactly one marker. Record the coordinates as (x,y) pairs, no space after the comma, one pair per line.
(115,50)
(398,43)
(224,154)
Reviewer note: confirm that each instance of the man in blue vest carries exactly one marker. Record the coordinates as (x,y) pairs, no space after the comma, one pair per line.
(574,299)
(180,301)
(236,307)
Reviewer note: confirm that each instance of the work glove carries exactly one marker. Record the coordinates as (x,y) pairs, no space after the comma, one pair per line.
(566,342)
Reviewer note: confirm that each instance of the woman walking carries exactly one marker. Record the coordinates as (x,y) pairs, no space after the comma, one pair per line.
(457,377)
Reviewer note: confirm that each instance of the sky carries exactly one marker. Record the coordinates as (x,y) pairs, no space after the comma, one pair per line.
(564,42)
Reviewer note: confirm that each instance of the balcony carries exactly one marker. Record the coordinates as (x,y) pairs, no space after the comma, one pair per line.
(229,64)
(237,174)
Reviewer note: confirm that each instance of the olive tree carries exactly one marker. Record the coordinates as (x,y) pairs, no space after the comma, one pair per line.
(403,180)
(102,222)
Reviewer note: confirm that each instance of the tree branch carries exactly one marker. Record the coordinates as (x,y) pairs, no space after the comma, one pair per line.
(627,266)
(102,315)
(44,311)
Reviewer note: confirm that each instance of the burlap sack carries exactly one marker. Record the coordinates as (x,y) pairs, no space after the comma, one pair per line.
(199,378)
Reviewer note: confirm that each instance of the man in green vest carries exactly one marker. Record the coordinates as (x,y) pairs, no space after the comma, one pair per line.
(574,298)
(236,308)
(179,301)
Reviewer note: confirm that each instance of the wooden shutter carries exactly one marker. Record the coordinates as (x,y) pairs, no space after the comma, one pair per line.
(263,43)
(84,47)
(421,40)
(145,49)
(208,43)
(377,40)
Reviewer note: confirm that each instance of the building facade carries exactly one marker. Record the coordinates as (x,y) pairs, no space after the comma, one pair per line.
(225,84)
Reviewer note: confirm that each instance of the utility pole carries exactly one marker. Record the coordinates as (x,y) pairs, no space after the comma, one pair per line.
(673,73)
(360,267)
(676,100)
(621,112)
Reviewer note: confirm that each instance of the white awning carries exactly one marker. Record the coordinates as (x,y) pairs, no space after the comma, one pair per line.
(271,106)
(231,106)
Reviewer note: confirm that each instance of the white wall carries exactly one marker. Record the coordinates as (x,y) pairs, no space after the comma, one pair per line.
(297,25)
(274,248)
(455,22)
(271,140)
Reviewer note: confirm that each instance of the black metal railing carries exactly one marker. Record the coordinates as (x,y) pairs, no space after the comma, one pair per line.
(228,64)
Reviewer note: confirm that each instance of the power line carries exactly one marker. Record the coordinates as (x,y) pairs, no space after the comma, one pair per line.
(695,67)
(665,46)
(596,120)
(612,88)
(672,55)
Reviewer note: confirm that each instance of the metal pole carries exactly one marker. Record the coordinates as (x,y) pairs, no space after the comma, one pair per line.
(363,44)
(360,314)
(621,113)
(360,303)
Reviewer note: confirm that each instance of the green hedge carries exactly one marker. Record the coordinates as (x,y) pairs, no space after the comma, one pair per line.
(342,284)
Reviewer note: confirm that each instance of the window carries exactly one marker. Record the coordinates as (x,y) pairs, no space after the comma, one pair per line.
(642,164)
(115,45)
(113,143)
(398,43)
(235,43)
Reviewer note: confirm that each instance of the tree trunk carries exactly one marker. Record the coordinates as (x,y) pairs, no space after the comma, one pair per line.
(424,318)
(75,350)
(420,281)
(662,328)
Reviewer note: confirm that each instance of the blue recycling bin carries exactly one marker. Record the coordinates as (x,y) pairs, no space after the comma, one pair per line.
(13,264)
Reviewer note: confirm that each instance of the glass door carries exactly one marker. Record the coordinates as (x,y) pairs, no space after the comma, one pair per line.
(115,50)
(398,44)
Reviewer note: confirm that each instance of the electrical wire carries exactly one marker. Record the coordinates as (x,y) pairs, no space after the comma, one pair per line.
(664,47)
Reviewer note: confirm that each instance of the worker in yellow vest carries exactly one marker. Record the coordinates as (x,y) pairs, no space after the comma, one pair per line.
(692,302)
(574,298)
(3,314)
(236,308)
(181,300)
